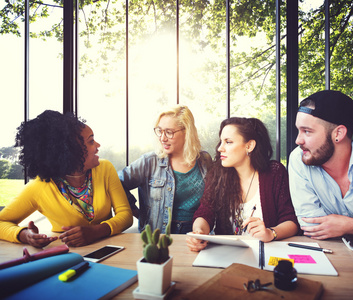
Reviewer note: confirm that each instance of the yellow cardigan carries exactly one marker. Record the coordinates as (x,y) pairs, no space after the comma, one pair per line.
(46,198)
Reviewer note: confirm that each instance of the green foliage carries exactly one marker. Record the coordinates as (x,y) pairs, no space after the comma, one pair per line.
(312,47)
(203,22)
(155,245)
(15,171)
(9,153)
(4,166)
(9,168)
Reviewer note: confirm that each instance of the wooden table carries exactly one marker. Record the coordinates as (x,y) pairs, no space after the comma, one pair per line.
(187,278)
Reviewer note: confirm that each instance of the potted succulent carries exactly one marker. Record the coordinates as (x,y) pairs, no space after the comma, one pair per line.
(154,269)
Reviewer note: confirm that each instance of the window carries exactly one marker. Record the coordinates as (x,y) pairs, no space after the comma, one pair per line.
(136,58)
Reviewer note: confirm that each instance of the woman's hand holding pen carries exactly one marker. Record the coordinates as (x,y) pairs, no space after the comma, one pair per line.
(196,245)
(257,229)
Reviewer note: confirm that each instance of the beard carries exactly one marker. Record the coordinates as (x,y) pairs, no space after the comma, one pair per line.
(321,155)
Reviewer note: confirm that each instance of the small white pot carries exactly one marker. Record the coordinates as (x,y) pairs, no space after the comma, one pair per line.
(154,278)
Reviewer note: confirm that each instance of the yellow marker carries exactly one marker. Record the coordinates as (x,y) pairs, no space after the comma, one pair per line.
(74,271)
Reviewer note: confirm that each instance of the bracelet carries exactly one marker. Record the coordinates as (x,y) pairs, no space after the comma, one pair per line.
(274,233)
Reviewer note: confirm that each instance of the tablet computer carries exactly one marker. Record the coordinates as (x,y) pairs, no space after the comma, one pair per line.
(231,240)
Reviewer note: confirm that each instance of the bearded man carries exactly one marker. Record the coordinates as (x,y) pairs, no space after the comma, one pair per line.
(320,168)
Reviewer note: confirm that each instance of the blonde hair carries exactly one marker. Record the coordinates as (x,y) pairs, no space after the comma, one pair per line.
(185,119)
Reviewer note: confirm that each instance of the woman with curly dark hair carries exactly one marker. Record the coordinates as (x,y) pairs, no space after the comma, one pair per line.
(246,192)
(73,188)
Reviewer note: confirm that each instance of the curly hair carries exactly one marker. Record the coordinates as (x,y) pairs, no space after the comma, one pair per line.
(52,145)
(223,184)
(185,119)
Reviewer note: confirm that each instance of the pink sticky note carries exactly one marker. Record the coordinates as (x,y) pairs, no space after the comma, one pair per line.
(302,259)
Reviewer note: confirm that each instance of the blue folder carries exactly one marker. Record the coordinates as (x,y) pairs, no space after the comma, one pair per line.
(39,280)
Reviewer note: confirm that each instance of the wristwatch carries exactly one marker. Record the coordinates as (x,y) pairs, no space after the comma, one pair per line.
(274,233)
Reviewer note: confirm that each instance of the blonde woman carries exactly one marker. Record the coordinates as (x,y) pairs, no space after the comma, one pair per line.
(173,176)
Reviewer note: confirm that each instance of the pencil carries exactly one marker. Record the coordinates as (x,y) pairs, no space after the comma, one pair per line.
(252,213)
(310,247)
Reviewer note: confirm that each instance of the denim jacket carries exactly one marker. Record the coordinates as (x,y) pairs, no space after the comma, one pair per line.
(154,178)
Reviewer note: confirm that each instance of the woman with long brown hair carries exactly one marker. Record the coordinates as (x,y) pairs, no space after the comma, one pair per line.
(246,192)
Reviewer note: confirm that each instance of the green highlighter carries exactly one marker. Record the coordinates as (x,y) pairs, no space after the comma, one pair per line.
(74,271)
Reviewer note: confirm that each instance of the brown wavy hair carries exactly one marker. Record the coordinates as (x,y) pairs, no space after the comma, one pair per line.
(223,188)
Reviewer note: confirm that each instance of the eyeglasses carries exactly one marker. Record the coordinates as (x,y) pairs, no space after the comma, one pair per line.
(167,132)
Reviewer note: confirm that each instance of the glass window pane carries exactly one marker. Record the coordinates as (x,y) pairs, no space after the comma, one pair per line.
(45,59)
(102,79)
(253,65)
(152,70)
(12,88)
(11,114)
(202,69)
(312,56)
(311,48)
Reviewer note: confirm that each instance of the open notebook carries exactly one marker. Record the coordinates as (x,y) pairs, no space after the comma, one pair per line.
(221,253)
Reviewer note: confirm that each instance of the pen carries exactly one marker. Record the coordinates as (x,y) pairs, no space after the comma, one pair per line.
(252,213)
(310,248)
(261,255)
(74,271)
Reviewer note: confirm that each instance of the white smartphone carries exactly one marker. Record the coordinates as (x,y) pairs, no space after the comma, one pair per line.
(102,253)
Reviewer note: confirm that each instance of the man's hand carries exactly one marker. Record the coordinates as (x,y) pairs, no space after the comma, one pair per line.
(77,236)
(329,226)
(32,237)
